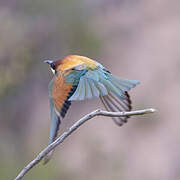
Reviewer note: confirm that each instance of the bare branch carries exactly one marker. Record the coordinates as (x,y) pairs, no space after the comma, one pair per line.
(76,125)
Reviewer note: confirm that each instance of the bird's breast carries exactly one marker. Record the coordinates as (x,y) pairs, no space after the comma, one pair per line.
(60,91)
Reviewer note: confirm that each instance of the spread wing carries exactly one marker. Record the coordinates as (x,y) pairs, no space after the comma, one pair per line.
(89,86)
(99,82)
(110,89)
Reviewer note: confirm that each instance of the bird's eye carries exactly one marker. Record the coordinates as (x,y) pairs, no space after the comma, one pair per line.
(53,66)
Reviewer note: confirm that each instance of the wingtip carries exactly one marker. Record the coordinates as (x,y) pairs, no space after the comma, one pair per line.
(138,82)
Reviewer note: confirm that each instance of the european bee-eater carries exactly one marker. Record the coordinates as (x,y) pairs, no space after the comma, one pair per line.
(78,78)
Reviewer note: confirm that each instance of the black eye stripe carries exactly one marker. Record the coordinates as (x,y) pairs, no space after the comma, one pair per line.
(53,66)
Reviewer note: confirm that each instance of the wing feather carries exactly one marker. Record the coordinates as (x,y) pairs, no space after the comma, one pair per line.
(112,103)
(88,92)
(94,89)
(81,89)
(87,89)
(100,82)
(77,92)
(102,89)
(111,90)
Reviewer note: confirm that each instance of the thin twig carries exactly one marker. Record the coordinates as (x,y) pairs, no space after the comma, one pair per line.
(76,125)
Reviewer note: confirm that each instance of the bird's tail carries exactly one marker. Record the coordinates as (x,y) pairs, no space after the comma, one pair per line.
(55,124)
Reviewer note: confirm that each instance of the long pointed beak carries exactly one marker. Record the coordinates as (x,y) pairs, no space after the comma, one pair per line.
(48,61)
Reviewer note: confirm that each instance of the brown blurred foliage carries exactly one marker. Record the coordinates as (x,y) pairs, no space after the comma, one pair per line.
(133,39)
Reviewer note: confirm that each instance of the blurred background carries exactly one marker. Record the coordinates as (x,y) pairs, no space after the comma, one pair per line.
(133,39)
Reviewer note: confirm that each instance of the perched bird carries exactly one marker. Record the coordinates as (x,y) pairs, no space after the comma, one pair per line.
(78,78)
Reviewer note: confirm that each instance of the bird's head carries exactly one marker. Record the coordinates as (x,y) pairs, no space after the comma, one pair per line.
(71,62)
(52,65)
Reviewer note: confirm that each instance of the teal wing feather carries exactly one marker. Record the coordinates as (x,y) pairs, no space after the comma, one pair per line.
(112,90)
(89,87)
(98,82)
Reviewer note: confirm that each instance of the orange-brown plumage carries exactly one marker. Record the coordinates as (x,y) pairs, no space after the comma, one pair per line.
(71,61)
(60,91)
